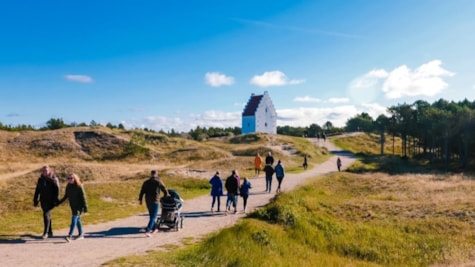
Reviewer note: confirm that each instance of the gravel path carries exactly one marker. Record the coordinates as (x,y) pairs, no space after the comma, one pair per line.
(110,240)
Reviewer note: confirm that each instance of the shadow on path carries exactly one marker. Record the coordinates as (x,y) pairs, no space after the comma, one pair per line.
(343,153)
(116,232)
(23,239)
(199,214)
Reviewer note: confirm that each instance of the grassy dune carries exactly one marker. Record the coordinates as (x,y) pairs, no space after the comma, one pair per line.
(113,164)
(347,219)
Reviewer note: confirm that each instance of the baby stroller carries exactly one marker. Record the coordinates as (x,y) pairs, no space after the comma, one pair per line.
(171,207)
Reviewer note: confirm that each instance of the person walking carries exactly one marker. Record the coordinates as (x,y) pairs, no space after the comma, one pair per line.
(338,163)
(216,191)
(269,159)
(78,204)
(279,174)
(269,170)
(257,164)
(151,189)
(244,192)
(305,163)
(232,188)
(47,194)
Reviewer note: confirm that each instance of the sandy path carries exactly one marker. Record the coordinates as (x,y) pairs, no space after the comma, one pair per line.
(110,240)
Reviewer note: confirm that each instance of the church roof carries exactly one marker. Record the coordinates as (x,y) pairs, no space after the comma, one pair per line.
(252,105)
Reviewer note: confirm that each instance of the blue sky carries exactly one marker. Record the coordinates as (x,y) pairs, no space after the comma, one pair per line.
(179,64)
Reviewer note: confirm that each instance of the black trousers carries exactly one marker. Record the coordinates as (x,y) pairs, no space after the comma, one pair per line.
(48,229)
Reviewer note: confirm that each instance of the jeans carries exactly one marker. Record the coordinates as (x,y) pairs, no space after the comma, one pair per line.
(75,221)
(153,213)
(268,182)
(232,200)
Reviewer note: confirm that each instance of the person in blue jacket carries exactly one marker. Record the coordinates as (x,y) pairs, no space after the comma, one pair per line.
(279,173)
(216,191)
(244,192)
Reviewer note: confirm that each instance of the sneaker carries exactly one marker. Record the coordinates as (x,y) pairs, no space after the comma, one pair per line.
(68,238)
(80,237)
(148,234)
(212,210)
(44,236)
(154,231)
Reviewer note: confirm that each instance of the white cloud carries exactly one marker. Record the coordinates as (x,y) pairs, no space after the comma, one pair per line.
(157,123)
(335,100)
(273,78)
(425,80)
(367,87)
(296,117)
(78,78)
(368,80)
(374,110)
(307,99)
(217,79)
(307,116)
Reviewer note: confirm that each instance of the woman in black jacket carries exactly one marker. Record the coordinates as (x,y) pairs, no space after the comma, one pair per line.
(47,194)
(77,201)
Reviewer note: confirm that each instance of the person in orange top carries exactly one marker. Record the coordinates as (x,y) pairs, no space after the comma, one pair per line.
(257,164)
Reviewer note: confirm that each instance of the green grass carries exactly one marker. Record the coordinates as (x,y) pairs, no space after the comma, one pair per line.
(112,194)
(107,201)
(343,219)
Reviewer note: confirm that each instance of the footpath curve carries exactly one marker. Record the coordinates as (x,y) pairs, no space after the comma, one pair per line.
(122,237)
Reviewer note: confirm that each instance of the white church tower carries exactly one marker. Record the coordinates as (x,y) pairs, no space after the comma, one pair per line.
(259,115)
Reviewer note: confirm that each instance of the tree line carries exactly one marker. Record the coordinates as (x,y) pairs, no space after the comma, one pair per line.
(441,132)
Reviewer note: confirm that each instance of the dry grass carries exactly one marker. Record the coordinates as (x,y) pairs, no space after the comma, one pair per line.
(368,143)
(346,219)
(101,156)
(415,196)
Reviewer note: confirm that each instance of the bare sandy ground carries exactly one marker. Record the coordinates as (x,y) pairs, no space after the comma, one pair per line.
(110,240)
